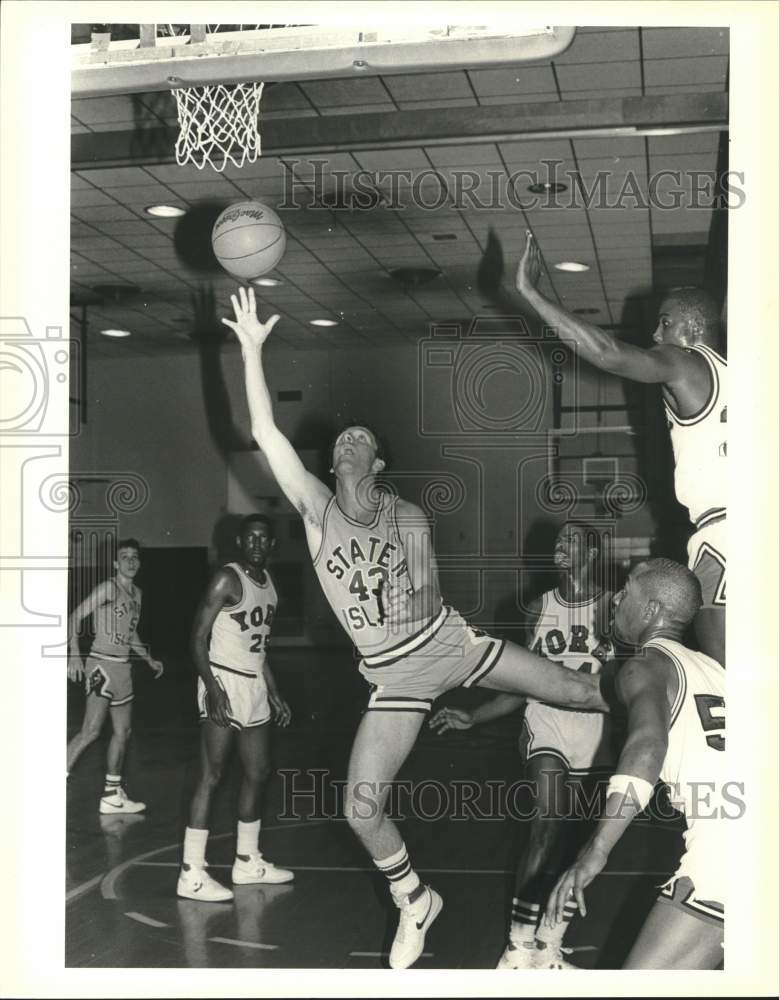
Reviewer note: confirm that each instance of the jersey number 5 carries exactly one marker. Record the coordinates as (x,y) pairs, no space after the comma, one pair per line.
(705,703)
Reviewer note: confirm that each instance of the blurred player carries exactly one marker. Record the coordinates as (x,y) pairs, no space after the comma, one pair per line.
(115,607)
(567,625)
(237,696)
(374,558)
(686,362)
(675,701)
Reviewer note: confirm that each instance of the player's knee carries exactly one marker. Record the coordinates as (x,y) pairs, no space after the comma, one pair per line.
(211,775)
(90,733)
(362,808)
(122,733)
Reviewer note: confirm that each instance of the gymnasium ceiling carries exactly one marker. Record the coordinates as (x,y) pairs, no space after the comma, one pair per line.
(337,262)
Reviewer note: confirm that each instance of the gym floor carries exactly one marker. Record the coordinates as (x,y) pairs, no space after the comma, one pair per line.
(122,909)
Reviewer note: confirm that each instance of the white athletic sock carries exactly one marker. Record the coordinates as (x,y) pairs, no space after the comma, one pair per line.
(195,847)
(112,783)
(554,935)
(397,870)
(248,838)
(524,920)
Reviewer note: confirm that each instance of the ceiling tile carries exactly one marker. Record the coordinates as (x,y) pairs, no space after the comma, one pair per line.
(521,79)
(601,47)
(597,76)
(663,43)
(667,72)
(428,86)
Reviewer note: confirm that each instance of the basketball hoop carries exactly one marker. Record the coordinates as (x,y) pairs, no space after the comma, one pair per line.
(218,124)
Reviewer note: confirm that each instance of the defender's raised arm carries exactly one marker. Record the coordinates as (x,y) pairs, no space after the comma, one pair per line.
(662,364)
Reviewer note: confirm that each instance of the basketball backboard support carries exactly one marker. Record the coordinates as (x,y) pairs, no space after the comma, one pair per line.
(162,61)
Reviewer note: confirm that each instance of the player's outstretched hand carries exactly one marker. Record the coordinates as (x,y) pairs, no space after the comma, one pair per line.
(529,269)
(156,668)
(280,708)
(75,668)
(573,882)
(218,706)
(446,719)
(248,328)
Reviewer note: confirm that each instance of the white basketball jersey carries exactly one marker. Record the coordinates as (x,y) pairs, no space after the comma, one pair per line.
(239,635)
(567,632)
(353,564)
(700,448)
(694,765)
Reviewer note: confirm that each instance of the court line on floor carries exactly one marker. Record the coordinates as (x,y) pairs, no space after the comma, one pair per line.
(79,890)
(143,919)
(426,871)
(382,954)
(245,944)
(108,882)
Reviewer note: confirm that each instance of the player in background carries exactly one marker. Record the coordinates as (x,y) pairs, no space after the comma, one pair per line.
(374,558)
(568,625)
(686,362)
(115,607)
(237,697)
(675,701)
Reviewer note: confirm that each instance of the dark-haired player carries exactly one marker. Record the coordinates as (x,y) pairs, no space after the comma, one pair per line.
(686,362)
(675,701)
(559,746)
(115,607)
(374,558)
(237,697)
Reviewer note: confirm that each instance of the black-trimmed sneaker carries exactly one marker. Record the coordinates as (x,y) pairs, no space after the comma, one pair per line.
(415,919)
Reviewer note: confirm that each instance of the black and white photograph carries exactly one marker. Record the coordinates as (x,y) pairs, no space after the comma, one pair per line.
(364,441)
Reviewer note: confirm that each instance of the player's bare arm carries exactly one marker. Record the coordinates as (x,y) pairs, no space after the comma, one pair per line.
(141,650)
(643,687)
(425,598)
(102,594)
(304,491)
(279,707)
(684,372)
(448,718)
(223,589)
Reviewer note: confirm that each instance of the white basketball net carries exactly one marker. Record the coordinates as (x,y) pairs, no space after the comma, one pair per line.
(218,124)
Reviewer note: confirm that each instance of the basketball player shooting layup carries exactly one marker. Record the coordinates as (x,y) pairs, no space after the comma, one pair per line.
(675,732)
(374,559)
(237,696)
(685,361)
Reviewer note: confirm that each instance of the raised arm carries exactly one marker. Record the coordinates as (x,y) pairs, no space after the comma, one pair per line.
(642,685)
(304,491)
(664,363)
(100,595)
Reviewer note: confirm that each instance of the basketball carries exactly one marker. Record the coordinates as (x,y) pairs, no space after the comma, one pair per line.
(248,239)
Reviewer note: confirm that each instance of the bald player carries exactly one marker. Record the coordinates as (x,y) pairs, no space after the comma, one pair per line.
(687,363)
(675,701)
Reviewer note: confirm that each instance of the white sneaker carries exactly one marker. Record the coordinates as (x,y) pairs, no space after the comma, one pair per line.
(518,955)
(551,957)
(196,883)
(258,870)
(117,802)
(415,919)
